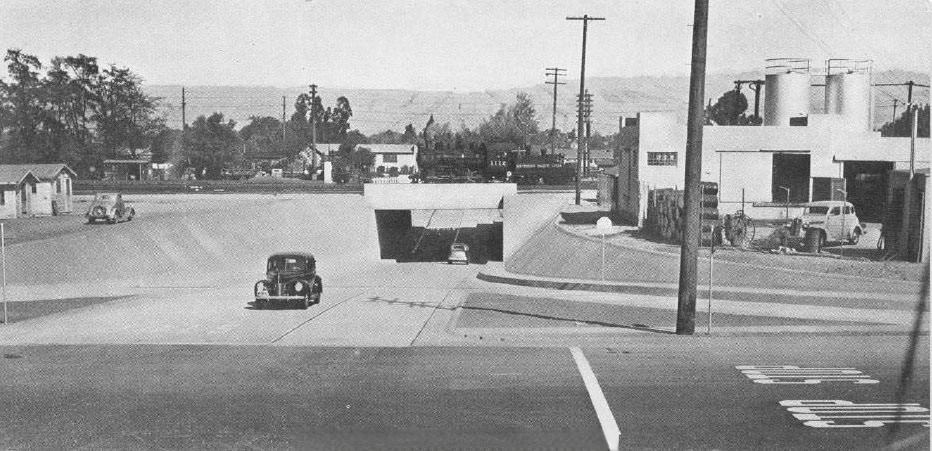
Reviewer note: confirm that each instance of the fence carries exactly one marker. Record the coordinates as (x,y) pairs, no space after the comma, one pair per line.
(665,213)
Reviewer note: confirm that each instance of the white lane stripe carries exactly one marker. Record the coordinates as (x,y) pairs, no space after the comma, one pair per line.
(602,411)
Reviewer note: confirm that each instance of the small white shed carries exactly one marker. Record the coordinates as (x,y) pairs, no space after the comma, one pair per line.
(17,189)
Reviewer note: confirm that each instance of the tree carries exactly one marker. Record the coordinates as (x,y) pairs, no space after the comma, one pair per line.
(514,123)
(21,104)
(410,135)
(211,145)
(902,126)
(729,108)
(387,137)
(165,144)
(125,116)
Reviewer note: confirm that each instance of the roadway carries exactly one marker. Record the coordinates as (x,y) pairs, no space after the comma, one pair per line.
(409,355)
(671,392)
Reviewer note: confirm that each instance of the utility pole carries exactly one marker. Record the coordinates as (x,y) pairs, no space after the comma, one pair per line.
(283,120)
(582,91)
(895,101)
(587,113)
(313,118)
(903,241)
(184,123)
(689,250)
(555,73)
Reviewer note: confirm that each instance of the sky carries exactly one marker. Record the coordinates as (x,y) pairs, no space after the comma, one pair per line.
(454,45)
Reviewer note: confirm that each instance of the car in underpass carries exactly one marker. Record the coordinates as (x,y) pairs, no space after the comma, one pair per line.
(458,254)
(109,207)
(291,278)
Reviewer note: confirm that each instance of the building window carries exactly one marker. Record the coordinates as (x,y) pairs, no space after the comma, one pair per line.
(68,186)
(58,186)
(389,158)
(33,188)
(661,158)
(2,197)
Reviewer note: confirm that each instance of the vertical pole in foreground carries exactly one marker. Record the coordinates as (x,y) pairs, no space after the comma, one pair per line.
(903,241)
(582,91)
(711,266)
(689,250)
(3,258)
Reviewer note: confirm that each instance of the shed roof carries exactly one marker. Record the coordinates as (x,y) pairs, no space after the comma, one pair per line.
(14,174)
(47,171)
(389,148)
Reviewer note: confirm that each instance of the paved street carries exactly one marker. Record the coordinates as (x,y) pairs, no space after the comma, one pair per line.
(163,349)
(668,392)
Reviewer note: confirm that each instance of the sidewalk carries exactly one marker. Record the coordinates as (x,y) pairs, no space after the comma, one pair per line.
(538,306)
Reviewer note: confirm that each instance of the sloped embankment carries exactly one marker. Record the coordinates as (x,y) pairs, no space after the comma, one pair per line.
(231,236)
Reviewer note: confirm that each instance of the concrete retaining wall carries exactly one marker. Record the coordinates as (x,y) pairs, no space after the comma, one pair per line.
(525,214)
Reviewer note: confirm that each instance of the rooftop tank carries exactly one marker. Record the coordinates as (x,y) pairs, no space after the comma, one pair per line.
(848,92)
(787,90)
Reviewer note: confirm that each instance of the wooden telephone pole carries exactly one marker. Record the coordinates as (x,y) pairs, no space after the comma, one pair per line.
(689,250)
(580,128)
(313,118)
(554,72)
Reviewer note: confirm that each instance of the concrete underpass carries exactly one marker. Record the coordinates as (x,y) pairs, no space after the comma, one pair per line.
(418,223)
(426,235)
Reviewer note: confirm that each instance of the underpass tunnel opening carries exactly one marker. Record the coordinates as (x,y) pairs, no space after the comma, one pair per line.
(426,235)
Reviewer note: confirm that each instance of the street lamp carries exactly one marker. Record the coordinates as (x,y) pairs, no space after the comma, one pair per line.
(787,203)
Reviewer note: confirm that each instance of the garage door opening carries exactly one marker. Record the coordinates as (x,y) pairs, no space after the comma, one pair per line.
(790,170)
(867,187)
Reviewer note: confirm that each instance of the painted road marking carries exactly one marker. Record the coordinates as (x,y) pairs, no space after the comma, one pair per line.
(788,374)
(837,413)
(602,411)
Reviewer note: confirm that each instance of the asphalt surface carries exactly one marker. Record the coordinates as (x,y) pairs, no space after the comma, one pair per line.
(413,355)
(674,393)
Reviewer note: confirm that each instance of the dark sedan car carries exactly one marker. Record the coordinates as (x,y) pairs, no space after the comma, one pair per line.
(109,207)
(290,278)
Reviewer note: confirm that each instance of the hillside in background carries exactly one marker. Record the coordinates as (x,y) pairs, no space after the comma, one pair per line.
(375,110)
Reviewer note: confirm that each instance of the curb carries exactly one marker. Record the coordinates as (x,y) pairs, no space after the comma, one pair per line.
(725,293)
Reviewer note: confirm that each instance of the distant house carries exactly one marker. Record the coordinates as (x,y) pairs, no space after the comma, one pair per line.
(400,156)
(127,169)
(18,187)
(51,193)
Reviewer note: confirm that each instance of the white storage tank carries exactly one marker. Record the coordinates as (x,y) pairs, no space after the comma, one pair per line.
(848,92)
(786,90)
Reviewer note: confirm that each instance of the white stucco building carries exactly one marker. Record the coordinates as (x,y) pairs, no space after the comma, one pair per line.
(400,156)
(794,157)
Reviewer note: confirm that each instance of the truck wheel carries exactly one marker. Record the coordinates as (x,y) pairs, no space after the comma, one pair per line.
(814,240)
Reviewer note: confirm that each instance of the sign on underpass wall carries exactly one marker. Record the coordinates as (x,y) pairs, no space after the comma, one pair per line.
(789,374)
